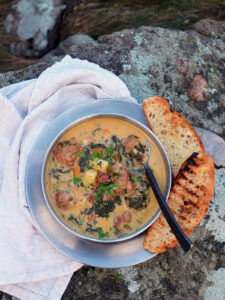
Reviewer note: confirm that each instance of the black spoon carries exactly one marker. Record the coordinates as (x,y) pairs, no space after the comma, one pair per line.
(177,231)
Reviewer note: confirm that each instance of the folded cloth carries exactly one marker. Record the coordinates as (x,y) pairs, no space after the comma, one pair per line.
(30,267)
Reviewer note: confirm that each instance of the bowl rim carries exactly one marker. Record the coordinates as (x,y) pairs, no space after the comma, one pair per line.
(142,127)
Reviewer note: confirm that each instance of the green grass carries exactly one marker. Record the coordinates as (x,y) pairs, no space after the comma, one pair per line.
(100,17)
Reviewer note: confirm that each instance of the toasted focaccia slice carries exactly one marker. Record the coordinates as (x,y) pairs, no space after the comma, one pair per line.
(173,130)
(189,200)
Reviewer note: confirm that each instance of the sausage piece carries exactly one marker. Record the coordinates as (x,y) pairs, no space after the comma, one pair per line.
(131,142)
(123,176)
(65,152)
(102,177)
(122,219)
(63,199)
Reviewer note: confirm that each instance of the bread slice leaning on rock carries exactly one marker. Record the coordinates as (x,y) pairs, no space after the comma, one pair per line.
(173,130)
(189,200)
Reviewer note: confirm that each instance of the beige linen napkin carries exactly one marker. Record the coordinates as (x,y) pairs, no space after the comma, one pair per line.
(31,268)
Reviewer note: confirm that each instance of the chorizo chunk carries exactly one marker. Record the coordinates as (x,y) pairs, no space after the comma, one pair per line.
(131,142)
(122,219)
(65,152)
(125,185)
(63,199)
(123,176)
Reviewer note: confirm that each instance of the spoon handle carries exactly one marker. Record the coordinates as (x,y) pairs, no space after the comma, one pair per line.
(177,231)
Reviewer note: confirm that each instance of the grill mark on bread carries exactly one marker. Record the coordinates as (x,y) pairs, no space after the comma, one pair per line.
(188,200)
(188,170)
(184,193)
(191,160)
(191,192)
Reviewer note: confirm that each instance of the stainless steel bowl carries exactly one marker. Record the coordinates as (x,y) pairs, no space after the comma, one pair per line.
(153,138)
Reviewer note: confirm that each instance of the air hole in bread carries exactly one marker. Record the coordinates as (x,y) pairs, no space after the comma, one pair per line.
(163,132)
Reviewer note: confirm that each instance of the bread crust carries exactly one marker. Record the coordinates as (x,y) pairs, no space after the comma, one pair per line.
(189,200)
(180,140)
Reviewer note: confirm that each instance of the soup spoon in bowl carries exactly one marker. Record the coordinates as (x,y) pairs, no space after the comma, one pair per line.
(175,227)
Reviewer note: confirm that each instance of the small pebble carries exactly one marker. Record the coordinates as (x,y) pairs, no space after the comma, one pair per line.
(181,65)
(214,145)
(199,89)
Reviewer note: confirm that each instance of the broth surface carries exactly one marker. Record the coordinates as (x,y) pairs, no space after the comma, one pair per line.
(95,179)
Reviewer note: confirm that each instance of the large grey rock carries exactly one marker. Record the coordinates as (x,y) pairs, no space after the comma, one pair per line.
(69,45)
(210,28)
(160,61)
(214,146)
(36,23)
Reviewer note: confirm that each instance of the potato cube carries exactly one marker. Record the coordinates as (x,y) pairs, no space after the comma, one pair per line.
(89,178)
(100,165)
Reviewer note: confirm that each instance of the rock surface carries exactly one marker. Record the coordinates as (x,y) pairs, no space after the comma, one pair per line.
(210,28)
(146,59)
(69,45)
(36,23)
(214,146)
(160,61)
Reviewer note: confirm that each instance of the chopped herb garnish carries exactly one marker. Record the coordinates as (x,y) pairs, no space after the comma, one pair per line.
(76,180)
(105,187)
(109,168)
(98,195)
(96,155)
(89,165)
(81,221)
(80,154)
(134,178)
(102,234)
(109,151)
(119,277)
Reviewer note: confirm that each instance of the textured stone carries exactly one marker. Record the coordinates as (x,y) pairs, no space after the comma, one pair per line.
(69,45)
(36,23)
(216,214)
(160,61)
(217,291)
(199,89)
(214,146)
(210,28)
(145,59)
